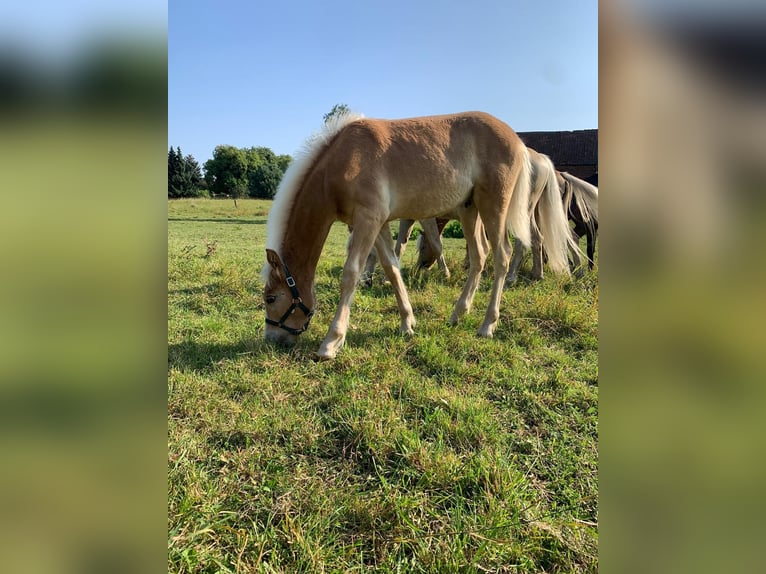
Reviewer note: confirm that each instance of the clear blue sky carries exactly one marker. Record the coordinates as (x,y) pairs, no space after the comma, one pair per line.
(255,73)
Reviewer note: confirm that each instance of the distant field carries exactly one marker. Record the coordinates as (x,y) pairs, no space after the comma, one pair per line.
(437,453)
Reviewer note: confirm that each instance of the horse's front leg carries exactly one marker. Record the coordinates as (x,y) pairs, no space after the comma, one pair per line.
(390,265)
(359,246)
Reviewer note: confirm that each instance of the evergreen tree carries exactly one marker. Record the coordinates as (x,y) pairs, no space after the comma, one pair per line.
(194,178)
(184,175)
(176,185)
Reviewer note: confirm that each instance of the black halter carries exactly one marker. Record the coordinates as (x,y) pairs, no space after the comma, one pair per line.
(297,304)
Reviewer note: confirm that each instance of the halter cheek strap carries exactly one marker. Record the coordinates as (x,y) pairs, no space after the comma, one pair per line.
(297,304)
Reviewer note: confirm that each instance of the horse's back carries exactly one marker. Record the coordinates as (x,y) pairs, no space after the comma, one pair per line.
(422,166)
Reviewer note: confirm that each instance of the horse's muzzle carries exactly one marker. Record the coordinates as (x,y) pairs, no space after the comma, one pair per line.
(279,336)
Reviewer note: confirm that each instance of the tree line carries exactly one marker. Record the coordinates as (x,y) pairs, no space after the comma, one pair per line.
(233,172)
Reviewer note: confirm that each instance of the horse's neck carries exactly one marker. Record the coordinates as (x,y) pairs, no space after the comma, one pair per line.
(305,234)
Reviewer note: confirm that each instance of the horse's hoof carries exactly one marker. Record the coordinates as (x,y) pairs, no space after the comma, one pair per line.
(486,332)
(321,355)
(326,354)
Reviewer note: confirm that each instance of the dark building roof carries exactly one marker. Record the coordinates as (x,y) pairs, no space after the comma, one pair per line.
(566,149)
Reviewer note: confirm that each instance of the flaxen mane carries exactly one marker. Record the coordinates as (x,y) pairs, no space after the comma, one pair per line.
(291,181)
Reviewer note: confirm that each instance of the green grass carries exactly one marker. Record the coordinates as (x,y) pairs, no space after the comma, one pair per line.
(437,453)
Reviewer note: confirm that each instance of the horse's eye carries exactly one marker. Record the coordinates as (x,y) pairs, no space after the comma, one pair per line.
(270,299)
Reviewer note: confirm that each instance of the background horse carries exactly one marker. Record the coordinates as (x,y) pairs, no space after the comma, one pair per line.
(584,223)
(580,211)
(367,172)
(431,230)
(580,199)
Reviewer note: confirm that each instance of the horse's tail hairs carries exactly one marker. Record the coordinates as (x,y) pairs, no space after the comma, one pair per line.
(585,197)
(538,184)
(554,225)
(518,219)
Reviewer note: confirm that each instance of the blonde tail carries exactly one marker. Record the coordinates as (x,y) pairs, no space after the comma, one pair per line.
(553,222)
(518,210)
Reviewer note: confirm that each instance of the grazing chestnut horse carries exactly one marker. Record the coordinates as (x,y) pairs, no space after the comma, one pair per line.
(367,172)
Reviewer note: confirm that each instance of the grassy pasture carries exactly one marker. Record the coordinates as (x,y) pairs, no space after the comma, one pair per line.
(437,453)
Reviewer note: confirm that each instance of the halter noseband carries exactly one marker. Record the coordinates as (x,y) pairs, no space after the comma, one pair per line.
(297,304)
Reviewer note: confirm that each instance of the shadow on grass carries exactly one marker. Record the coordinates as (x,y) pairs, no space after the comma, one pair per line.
(221,220)
(193,355)
(191,290)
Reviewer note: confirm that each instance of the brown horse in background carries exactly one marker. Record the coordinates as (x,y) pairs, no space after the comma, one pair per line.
(429,241)
(367,172)
(580,199)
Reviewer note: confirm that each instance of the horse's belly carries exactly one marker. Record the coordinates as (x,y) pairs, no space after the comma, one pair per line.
(422,202)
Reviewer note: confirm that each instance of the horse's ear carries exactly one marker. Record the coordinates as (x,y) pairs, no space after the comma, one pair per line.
(275,261)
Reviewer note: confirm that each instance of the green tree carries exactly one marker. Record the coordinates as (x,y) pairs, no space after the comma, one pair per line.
(283,161)
(264,180)
(337,110)
(227,172)
(264,171)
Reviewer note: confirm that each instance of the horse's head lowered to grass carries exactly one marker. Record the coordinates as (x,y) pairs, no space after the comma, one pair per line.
(288,311)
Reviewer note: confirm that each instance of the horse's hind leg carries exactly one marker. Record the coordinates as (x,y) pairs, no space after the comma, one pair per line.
(359,246)
(576,260)
(518,255)
(434,238)
(472,227)
(369,269)
(390,265)
(405,230)
(501,255)
(591,247)
(537,255)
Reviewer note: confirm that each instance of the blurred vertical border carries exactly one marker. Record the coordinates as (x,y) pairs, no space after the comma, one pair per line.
(683,166)
(83,142)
